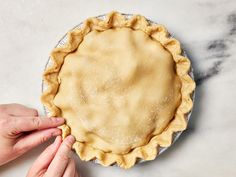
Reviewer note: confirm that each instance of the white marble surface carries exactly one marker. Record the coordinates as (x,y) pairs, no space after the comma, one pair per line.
(207,29)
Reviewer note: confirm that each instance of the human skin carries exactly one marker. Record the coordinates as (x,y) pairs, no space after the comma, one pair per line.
(22,129)
(55,161)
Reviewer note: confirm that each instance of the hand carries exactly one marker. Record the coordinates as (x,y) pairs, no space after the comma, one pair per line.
(55,161)
(21,129)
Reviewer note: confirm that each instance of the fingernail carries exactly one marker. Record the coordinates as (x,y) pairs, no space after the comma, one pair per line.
(71,139)
(58,120)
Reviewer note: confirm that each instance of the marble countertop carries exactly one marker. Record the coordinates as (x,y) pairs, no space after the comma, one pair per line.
(207,30)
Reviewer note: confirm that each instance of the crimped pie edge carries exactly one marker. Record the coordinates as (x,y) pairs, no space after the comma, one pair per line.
(157,32)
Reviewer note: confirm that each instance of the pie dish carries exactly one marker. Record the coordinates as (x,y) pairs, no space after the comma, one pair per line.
(123,87)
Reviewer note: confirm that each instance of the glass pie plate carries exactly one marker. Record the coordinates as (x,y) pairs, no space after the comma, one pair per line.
(64,39)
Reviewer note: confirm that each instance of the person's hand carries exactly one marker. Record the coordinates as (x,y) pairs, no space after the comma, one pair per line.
(21,129)
(55,161)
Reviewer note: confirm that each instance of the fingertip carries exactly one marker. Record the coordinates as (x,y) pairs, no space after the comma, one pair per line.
(34,112)
(57,140)
(59,119)
(70,139)
(57,132)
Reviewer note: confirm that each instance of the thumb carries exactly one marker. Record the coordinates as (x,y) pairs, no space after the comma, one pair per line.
(42,162)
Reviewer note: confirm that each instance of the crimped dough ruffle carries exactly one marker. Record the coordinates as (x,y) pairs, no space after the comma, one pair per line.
(157,32)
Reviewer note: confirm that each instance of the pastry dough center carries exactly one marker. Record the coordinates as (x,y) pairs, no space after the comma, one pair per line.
(118,89)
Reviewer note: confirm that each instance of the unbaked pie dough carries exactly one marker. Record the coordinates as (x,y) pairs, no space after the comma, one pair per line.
(123,87)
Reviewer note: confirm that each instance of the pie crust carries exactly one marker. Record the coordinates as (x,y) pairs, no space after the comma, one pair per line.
(122,86)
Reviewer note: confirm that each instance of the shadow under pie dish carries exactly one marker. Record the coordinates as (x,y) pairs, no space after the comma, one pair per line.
(123,86)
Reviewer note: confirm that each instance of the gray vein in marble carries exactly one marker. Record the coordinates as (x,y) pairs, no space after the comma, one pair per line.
(232,22)
(214,70)
(219,51)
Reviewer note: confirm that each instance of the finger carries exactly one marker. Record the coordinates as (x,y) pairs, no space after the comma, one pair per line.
(48,154)
(62,158)
(43,161)
(76,174)
(70,169)
(38,137)
(36,123)
(19,110)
